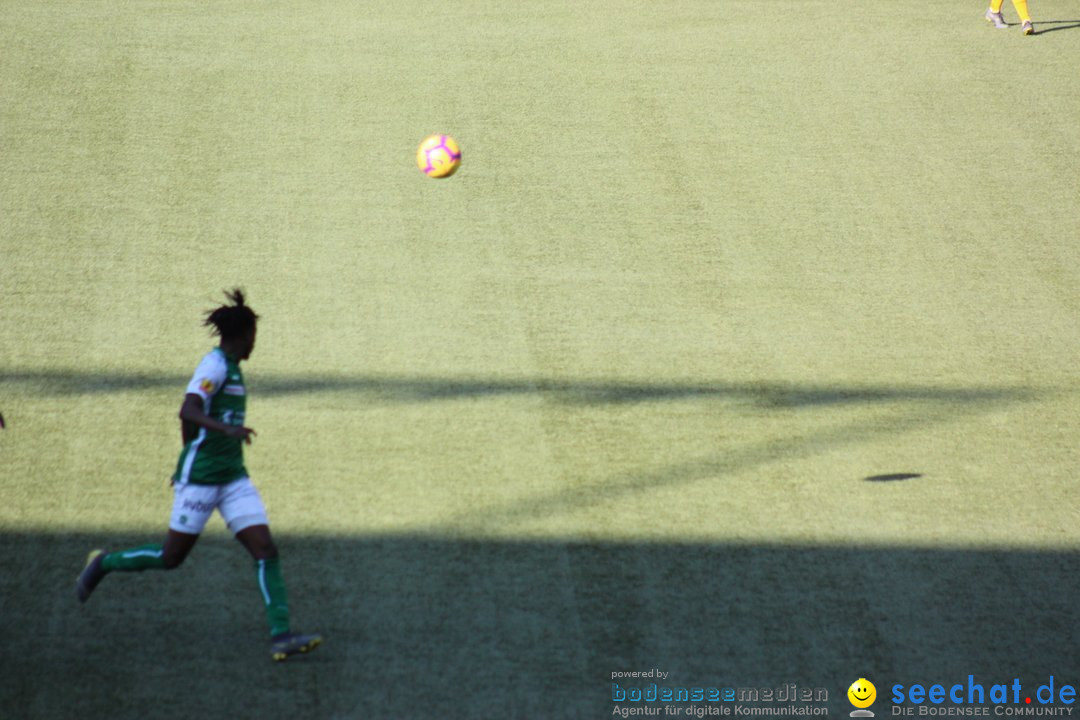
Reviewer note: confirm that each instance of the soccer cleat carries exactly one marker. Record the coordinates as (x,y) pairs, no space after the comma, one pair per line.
(1028,28)
(90,576)
(283,646)
(997,18)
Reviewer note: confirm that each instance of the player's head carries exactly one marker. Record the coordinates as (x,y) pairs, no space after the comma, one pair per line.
(235,323)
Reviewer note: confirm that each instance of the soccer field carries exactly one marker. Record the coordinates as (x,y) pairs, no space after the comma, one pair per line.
(742,347)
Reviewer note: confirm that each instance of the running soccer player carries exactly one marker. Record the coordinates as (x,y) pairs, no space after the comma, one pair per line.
(993,14)
(210,475)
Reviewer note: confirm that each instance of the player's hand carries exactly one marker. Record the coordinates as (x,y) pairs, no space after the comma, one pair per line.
(243,433)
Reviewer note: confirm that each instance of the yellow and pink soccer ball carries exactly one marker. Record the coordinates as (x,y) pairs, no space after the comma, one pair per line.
(438,156)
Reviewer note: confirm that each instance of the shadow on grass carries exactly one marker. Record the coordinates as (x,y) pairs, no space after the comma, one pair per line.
(893,477)
(928,411)
(915,408)
(1041,29)
(402,389)
(423,627)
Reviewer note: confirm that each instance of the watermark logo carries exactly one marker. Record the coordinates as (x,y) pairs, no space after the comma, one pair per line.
(977,698)
(862,694)
(653,692)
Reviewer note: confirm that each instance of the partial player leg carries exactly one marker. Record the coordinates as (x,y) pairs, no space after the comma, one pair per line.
(258,542)
(145,557)
(153,557)
(1025,18)
(283,642)
(993,14)
(192,507)
(177,547)
(245,514)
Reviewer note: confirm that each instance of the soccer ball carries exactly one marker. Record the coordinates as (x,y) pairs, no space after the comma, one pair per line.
(438,156)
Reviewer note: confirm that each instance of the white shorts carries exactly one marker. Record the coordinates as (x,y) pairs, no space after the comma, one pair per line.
(238,502)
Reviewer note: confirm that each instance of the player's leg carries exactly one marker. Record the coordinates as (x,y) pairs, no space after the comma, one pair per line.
(993,14)
(245,514)
(192,507)
(167,556)
(283,641)
(258,542)
(145,557)
(1025,18)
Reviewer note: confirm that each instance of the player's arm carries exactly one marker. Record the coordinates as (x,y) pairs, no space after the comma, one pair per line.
(191,413)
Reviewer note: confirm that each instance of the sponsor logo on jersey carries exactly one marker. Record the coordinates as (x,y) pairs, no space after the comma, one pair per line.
(233,390)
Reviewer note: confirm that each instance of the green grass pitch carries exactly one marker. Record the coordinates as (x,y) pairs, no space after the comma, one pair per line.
(743,345)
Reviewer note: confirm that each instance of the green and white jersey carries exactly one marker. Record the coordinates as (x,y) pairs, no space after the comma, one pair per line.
(213,458)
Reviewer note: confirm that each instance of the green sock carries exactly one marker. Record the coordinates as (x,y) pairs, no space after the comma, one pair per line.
(274,597)
(146,557)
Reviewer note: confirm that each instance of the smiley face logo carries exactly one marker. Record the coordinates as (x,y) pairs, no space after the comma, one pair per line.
(862,693)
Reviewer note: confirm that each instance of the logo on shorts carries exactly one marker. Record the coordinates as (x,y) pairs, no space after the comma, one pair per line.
(198,506)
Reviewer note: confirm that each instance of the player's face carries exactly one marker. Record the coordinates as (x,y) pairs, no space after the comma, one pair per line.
(248,345)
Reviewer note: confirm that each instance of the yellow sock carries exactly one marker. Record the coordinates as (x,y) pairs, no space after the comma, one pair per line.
(1021,10)
(995,5)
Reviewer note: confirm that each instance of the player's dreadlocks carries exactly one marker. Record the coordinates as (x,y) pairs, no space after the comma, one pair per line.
(234,320)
